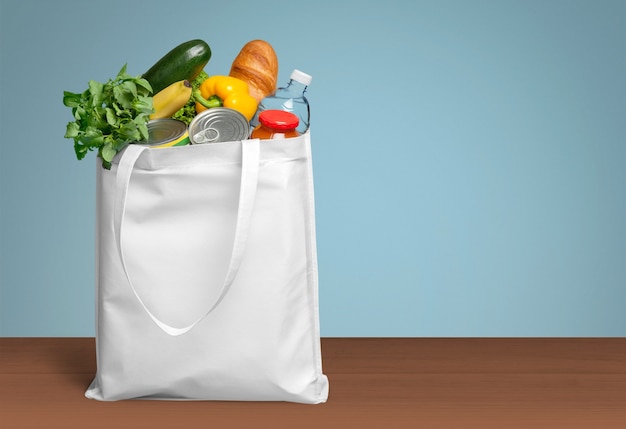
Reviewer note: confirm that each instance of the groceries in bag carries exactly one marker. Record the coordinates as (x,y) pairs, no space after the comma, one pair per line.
(178,87)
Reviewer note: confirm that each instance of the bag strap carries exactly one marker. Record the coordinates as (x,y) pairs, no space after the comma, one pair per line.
(249,179)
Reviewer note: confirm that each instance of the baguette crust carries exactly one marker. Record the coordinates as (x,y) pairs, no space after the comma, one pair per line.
(257,65)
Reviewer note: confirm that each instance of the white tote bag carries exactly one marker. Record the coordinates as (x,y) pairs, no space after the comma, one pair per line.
(206,274)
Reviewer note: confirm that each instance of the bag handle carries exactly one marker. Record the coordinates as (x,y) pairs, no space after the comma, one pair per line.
(249,178)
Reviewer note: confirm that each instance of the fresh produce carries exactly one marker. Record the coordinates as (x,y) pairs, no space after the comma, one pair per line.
(184,62)
(188,111)
(226,91)
(257,65)
(171,99)
(108,116)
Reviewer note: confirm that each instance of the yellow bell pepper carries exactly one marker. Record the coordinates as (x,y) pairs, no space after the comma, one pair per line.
(226,91)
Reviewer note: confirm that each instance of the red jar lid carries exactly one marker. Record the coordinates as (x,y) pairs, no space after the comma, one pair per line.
(279,119)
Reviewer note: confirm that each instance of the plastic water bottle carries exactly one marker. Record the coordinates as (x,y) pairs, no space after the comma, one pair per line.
(290,98)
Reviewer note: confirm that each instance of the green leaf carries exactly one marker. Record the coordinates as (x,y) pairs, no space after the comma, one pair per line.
(108,152)
(130,88)
(118,110)
(141,118)
(143,105)
(105,164)
(92,137)
(91,131)
(80,150)
(143,83)
(143,131)
(122,71)
(72,130)
(71,99)
(97,119)
(112,118)
(96,90)
(128,132)
(79,113)
(93,141)
(122,96)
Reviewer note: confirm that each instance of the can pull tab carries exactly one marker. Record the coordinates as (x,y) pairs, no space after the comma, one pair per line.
(207,135)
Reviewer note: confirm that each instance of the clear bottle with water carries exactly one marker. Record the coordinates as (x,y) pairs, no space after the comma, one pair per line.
(291,98)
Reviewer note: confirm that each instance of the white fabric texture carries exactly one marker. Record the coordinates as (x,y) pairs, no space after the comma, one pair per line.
(206,274)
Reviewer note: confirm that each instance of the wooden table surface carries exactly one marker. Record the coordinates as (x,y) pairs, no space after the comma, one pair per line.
(384,383)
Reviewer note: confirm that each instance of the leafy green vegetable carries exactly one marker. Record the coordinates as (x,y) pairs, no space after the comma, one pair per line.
(188,111)
(108,116)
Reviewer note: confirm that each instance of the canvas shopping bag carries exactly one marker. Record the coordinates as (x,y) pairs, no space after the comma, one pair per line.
(206,275)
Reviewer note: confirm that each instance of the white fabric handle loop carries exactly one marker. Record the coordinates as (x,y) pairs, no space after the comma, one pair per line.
(249,178)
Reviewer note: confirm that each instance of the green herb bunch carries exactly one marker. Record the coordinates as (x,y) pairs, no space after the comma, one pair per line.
(108,116)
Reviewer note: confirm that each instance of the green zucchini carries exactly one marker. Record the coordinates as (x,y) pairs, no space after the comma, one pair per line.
(184,62)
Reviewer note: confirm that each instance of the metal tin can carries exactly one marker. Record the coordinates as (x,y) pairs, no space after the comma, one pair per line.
(219,124)
(167,132)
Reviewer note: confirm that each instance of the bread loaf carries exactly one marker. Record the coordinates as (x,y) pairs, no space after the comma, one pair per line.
(257,65)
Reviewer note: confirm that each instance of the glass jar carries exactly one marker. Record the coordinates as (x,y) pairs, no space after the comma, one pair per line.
(276,124)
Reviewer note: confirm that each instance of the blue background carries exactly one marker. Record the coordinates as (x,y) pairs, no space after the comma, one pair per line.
(469,156)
